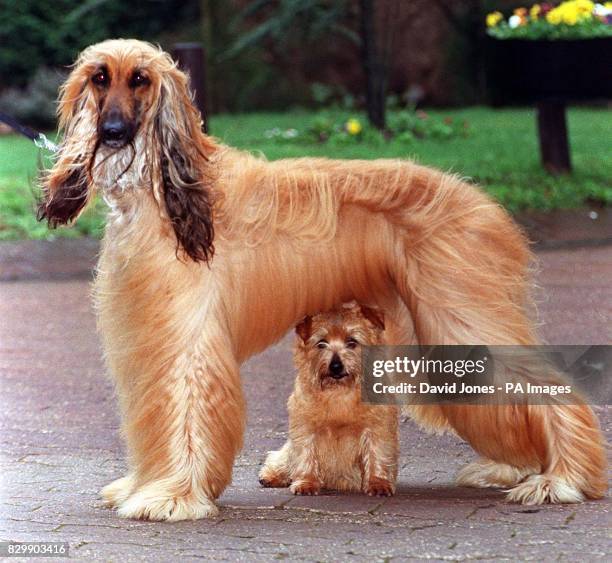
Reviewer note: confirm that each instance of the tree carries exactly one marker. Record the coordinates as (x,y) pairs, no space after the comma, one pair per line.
(291,22)
(467,19)
(374,68)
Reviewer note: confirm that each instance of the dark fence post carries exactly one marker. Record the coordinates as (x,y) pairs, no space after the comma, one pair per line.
(552,130)
(190,57)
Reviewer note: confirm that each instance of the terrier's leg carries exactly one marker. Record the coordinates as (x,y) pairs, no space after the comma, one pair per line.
(277,467)
(305,478)
(379,452)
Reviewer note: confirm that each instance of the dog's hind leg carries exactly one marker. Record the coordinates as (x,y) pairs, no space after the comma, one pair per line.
(465,282)
(544,453)
(575,463)
(485,473)
(118,491)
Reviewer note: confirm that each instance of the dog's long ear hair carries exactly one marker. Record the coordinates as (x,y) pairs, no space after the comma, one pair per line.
(66,187)
(184,152)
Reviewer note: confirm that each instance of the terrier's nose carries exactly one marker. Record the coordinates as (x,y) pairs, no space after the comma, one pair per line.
(336,368)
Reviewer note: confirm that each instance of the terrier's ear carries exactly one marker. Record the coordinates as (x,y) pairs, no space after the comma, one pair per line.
(304,329)
(375,316)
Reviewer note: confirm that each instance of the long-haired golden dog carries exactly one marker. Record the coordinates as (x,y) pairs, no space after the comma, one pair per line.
(211,254)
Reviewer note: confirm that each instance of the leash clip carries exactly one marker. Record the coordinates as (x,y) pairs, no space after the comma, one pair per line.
(43,143)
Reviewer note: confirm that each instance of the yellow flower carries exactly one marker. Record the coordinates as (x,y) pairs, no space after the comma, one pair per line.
(584,5)
(554,17)
(570,17)
(494,18)
(608,5)
(353,126)
(535,11)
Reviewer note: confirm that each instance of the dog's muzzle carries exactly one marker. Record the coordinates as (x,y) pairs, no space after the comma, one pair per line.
(115,132)
(336,368)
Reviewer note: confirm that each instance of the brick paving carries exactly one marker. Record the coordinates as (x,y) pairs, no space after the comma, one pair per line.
(59,444)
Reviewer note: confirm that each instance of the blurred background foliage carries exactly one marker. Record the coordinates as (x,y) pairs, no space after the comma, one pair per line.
(324,61)
(262,54)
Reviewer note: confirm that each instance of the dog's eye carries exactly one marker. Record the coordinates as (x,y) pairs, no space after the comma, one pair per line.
(138,79)
(351,343)
(100,78)
(322,344)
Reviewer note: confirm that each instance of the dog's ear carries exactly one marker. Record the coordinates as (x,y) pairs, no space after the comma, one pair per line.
(304,329)
(375,316)
(183,160)
(66,186)
(65,194)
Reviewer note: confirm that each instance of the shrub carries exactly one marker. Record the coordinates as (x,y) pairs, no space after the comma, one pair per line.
(35,104)
(406,126)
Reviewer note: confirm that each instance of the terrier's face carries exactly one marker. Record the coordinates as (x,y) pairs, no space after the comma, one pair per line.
(328,346)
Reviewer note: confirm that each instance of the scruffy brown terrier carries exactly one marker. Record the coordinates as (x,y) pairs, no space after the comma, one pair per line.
(335,440)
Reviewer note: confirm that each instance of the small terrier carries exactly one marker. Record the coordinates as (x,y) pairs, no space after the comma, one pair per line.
(335,440)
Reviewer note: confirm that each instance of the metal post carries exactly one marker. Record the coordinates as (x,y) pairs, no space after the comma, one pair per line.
(190,58)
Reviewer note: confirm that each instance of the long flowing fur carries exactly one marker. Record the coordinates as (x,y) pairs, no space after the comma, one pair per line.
(211,254)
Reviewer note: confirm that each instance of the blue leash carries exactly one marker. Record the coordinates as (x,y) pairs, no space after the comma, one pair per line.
(39,139)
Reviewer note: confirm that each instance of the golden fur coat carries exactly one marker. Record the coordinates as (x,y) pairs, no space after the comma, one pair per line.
(211,254)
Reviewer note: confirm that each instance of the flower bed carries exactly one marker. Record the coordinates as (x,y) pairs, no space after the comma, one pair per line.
(573,19)
(406,126)
(550,52)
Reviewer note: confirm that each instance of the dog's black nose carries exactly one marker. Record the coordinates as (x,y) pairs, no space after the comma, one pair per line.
(336,368)
(114,131)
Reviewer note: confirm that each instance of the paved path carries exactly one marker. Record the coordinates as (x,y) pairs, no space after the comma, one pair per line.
(59,444)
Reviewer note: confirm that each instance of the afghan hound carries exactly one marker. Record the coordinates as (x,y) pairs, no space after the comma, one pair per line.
(211,254)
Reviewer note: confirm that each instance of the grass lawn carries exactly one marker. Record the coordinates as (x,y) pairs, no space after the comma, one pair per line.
(500,153)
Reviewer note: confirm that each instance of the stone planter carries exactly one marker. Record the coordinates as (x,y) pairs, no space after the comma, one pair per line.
(549,73)
(526,71)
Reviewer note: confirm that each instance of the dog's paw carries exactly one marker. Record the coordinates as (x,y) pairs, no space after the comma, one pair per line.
(305,488)
(271,478)
(543,489)
(150,504)
(486,473)
(118,491)
(378,487)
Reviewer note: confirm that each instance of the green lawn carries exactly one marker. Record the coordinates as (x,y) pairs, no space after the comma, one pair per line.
(500,153)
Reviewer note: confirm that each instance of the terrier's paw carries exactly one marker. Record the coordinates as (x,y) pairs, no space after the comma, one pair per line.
(153,503)
(378,487)
(118,491)
(542,489)
(305,488)
(270,477)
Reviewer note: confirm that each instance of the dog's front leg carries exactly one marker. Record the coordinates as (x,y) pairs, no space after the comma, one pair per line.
(277,467)
(184,426)
(305,478)
(379,453)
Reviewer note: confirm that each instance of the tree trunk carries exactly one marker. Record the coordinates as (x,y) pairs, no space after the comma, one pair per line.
(373,66)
